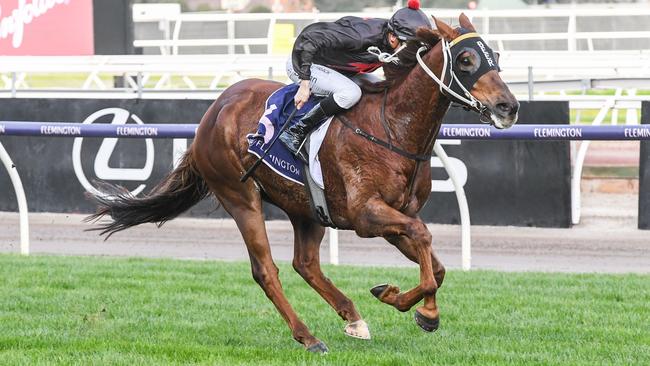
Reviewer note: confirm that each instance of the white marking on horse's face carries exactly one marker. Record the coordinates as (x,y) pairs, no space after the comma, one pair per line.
(502,123)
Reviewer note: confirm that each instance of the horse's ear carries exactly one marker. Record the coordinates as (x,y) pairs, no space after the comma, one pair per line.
(447,32)
(465,22)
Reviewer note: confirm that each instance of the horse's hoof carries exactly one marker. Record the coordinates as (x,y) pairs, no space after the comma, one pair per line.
(378,290)
(358,329)
(428,325)
(319,347)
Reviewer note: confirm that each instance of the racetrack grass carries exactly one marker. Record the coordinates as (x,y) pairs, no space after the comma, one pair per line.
(103,311)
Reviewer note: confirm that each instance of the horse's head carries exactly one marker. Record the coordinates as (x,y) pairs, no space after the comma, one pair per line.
(471,75)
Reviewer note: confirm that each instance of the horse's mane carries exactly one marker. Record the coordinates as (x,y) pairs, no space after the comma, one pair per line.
(395,74)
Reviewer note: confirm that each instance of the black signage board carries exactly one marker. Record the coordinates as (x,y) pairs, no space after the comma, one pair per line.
(520,183)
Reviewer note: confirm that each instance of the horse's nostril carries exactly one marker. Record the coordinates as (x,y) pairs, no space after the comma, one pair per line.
(508,109)
(504,108)
(515,108)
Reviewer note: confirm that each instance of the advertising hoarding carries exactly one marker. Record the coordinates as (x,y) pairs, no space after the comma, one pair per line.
(46,27)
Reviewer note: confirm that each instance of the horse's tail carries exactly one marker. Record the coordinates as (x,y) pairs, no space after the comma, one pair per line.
(175,194)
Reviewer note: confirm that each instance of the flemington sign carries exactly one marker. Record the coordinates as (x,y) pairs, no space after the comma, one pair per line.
(46,27)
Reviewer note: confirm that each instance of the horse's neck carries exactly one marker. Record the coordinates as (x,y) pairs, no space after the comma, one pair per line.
(415,107)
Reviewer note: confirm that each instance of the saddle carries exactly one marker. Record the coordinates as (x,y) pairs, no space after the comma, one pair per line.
(277,111)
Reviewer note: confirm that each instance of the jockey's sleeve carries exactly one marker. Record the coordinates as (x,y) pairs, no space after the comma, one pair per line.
(307,46)
(302,58)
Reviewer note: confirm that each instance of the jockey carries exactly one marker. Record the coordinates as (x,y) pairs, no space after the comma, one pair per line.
(328,57)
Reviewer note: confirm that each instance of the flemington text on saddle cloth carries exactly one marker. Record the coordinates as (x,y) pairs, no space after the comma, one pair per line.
(277,109)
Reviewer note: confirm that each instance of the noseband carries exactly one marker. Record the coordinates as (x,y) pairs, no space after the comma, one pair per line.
(457,89)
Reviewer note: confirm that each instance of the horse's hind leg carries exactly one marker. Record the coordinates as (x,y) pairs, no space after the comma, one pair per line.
(245,206)
(306,261)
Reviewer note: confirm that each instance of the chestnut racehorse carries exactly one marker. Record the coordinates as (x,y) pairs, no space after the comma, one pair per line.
(370,189)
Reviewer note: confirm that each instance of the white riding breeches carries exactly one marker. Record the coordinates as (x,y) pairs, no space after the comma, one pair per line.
(325,81)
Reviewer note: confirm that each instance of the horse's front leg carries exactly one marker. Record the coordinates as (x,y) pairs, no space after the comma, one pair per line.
(391,294)
(403,301)
(379,219)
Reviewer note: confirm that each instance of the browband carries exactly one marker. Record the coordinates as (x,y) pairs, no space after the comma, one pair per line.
(463,37)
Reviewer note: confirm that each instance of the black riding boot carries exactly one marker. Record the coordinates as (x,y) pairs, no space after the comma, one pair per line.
(294,136)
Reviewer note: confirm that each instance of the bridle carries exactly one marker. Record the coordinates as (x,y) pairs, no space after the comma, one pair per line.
(463,97)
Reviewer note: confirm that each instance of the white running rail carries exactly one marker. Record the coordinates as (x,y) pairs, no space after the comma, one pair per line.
(576,178)
(20,197)
(465,225)
(578,70)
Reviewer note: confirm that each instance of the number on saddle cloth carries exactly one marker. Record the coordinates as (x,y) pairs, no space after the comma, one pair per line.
(277,109)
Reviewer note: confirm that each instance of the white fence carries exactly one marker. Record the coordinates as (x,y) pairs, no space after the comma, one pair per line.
(548,70)
(570,29)
(99,72)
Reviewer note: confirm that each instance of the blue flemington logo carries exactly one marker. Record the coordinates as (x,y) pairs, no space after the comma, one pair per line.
(293,169)
(637,132)
(557,132)
(60,130)
(137,131)
(466,132)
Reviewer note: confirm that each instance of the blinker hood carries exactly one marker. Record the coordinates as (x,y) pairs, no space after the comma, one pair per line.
(486,60)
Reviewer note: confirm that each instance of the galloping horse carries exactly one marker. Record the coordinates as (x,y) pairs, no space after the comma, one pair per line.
(371,189)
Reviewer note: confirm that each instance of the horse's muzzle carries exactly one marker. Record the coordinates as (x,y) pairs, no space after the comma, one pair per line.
(504,114)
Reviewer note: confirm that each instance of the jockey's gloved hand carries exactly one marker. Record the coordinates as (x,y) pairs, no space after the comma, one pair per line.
(302,95)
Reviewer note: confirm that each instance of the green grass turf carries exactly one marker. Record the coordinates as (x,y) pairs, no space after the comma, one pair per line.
(624,172)
(105,311)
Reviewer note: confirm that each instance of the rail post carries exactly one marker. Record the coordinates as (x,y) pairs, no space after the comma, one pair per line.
(20,197)
(334,246)
(465,225)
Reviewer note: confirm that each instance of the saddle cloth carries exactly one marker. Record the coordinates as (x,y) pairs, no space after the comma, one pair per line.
(277,109)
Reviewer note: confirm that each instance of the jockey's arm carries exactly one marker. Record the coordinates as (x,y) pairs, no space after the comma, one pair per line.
(303,54)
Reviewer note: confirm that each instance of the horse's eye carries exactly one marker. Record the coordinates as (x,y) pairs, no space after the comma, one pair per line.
(468,60)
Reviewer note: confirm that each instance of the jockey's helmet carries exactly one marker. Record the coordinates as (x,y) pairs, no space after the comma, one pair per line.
(407,20)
